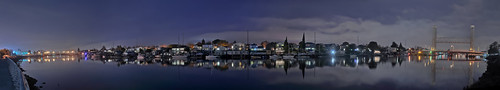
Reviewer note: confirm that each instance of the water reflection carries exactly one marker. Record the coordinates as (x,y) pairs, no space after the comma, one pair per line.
(424,72)
(371,62)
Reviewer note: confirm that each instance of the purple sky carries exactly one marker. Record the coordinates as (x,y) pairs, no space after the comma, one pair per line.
(64,24)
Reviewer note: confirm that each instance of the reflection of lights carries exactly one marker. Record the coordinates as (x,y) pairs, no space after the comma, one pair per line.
(419,58)
(333,60)
(452,64)
(377,59)
(280,62)
(409,58)
(308,63)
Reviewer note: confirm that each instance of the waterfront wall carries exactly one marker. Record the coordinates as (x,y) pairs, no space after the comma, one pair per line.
(18,80)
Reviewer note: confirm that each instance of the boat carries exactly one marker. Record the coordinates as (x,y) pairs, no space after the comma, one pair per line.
(352,56)
(140,57)
(303,57)
(275,57)
(288,57)
(211,57)
(180,57)
(256,57)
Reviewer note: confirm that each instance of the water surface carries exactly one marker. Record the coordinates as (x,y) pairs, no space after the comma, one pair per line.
(409,72)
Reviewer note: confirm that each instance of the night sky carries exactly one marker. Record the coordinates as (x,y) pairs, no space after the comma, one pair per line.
(70,24)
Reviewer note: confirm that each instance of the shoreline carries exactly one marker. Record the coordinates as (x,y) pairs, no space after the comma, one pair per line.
(491,77)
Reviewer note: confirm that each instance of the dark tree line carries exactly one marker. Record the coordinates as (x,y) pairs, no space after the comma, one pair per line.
(493,48)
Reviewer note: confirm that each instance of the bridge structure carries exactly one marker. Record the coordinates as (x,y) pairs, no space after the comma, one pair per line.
(468,53)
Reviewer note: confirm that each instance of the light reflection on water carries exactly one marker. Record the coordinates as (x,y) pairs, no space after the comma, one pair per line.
(415,72)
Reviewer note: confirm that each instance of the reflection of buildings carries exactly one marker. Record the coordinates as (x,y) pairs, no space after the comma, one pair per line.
(438,67)
(371,62)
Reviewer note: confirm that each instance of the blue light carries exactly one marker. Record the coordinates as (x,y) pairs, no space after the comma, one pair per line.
(333,60)
(332,52)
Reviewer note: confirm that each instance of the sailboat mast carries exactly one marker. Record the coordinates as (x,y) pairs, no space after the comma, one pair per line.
(315,37)
(178,39)
(183,38)
(248,45)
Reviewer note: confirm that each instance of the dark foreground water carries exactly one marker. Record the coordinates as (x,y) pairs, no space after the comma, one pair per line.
(71,73)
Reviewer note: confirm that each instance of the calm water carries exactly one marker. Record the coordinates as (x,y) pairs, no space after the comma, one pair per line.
(71,73)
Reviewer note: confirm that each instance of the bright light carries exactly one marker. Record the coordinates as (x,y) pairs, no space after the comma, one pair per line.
(357,49)
(333,60)
(332,52)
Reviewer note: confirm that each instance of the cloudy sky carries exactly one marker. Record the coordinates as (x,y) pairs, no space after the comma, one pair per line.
(69,24)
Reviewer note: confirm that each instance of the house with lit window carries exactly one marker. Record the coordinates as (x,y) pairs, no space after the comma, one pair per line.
(310,47)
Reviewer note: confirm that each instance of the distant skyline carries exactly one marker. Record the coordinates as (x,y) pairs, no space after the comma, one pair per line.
(63,24)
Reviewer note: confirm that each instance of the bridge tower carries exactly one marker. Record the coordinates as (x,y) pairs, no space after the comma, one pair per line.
(472,29)
(434,38)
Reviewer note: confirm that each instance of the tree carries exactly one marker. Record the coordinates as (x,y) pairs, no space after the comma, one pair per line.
(219,42)
(344,44)
(350,49)
(394,45)
(285,45)
(302,44)
(373,46)
(119,50)
(361,48)
(493,48)
(4,52)
(103,48)
(202,41)
(264,44)
(401,48)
